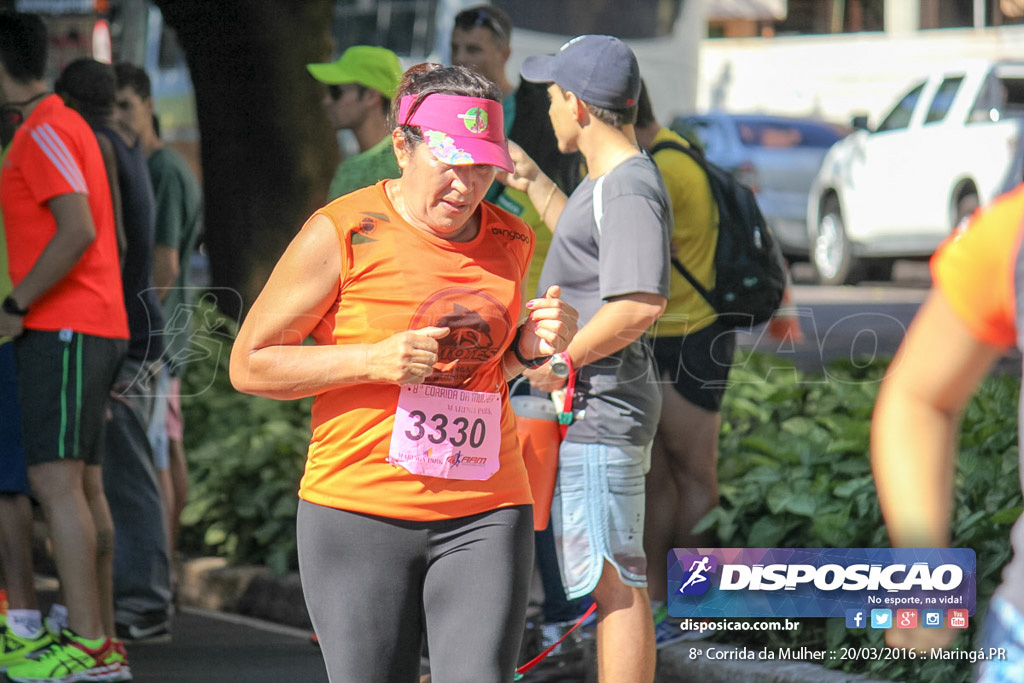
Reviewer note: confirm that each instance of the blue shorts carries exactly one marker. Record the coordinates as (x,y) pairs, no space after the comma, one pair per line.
(597,514)
(1004,628)
(13,476)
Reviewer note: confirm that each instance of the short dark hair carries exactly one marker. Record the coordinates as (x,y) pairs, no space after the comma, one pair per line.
(89,87)
(616,118)
(23,44)
(434,79)
(490,17)
(135,77)
(644,110)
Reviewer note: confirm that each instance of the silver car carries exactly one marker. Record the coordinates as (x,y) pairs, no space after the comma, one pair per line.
(776,156)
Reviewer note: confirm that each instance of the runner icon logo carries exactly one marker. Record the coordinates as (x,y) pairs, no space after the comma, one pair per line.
(696,581)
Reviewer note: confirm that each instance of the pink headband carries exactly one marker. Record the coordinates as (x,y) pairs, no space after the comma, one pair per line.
(460,130)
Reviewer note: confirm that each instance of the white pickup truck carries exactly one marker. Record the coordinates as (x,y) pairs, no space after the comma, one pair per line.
(951,143)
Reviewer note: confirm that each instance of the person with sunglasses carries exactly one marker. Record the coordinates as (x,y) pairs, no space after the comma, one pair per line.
(415,507)
(360,86)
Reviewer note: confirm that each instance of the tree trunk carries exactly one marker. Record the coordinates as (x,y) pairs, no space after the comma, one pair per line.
(267,150)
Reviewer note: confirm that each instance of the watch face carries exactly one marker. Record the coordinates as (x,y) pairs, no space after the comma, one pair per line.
(11,308)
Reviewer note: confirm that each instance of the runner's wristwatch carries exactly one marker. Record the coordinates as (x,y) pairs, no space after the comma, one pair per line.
(11,307)
(531,363)
(561,366)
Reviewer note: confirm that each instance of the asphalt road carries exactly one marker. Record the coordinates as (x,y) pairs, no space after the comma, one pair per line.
(209,647)
(858,323)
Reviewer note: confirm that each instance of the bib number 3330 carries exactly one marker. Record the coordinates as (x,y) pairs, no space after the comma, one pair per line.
(448,433)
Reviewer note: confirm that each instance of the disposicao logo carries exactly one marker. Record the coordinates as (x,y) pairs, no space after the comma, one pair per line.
(818,582)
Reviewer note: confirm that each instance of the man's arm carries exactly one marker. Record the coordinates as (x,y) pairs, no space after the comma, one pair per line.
(75,232)
(165,270)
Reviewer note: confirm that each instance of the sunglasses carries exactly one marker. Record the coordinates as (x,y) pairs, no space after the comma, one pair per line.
(480,17)
(338,91)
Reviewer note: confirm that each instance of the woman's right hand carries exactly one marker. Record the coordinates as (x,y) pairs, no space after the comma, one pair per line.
(405,358)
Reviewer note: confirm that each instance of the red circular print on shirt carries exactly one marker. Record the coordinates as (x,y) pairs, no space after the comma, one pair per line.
(479,325)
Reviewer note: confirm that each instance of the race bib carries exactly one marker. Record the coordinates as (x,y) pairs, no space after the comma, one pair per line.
(447,433)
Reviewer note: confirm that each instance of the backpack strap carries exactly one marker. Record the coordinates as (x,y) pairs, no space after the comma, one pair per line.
(676,263)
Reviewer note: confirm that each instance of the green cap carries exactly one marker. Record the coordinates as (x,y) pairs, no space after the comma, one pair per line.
(373,67)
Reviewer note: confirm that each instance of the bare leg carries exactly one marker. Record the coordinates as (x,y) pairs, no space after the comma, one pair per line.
(682,485)
(625,631)
(179,478)
(16,550)
(59,487)
(101,518)
(167,494)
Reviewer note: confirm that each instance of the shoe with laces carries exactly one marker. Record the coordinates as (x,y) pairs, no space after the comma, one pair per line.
(116,661)
(14,649)
(67,661)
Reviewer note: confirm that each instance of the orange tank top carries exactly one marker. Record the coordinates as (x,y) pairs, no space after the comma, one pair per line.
(396,277)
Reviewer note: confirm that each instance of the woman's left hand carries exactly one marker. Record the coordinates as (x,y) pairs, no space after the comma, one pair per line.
(550,327)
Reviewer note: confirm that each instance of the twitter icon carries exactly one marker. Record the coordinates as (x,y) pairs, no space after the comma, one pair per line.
(881,618)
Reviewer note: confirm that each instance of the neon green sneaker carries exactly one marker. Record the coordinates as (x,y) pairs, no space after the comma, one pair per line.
(65,662)
(116,661)
(14,648)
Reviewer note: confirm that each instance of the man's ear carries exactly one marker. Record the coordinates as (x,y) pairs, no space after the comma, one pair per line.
(579,108)
(372,95)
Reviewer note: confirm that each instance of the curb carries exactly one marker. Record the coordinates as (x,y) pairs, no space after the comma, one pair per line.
(209,583)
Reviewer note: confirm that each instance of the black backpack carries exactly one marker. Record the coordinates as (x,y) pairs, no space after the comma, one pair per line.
(750,271)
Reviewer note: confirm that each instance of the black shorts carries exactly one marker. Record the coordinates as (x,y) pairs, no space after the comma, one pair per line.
(64,381)
(698,363)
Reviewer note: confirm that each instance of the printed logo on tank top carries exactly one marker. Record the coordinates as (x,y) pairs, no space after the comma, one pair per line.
(479,325)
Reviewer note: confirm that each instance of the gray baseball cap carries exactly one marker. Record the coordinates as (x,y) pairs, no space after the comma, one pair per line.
(600,70)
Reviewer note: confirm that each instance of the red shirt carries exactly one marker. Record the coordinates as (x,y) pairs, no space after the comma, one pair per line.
(55,153)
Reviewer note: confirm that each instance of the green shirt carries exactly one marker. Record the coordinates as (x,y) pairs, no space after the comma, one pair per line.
(364,169)
(178,221)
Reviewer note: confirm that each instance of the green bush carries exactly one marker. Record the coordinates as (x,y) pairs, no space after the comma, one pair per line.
(245,456)
(795,473)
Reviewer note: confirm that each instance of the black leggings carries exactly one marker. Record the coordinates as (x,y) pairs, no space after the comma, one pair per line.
(373,585)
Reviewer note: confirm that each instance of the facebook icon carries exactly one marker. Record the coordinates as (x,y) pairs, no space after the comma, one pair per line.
(856,618)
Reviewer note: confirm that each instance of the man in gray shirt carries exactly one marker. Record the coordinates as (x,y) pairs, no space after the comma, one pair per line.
(610,255)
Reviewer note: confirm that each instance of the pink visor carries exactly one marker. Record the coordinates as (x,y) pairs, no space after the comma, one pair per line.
(460,130)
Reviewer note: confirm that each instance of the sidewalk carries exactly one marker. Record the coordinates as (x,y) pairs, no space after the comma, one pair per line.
(208,583)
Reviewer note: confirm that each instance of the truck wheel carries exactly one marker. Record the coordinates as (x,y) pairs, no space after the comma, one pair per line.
(831,253)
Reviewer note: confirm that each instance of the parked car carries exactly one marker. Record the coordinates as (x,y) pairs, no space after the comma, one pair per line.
(775,156)
(951,143)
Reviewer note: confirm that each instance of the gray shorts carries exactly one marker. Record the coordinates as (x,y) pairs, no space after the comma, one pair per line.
(597,514)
